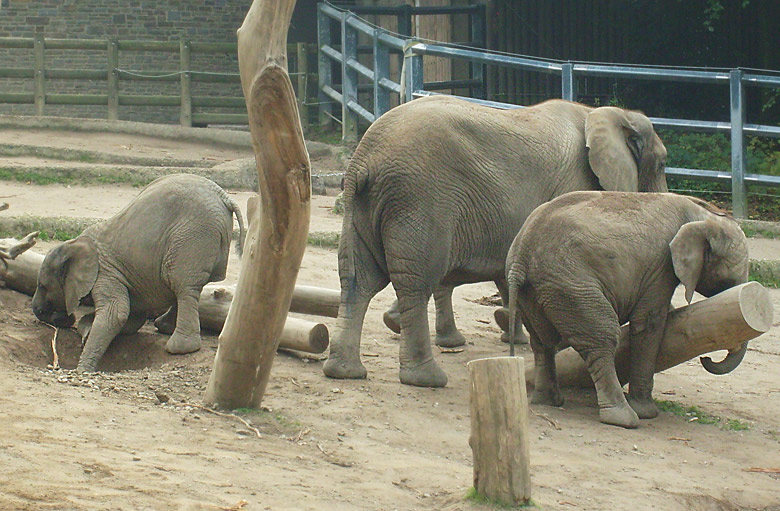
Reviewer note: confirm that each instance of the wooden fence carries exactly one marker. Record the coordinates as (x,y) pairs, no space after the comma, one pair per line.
(298,58)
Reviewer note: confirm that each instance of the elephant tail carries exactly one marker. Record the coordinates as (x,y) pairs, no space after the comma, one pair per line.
(515,281)
(355,182)
(232,206)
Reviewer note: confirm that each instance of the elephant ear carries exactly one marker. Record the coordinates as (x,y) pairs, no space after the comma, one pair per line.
(688,248)
(614,148)
(80,270)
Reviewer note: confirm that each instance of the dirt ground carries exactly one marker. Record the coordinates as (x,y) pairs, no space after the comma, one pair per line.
(107,440)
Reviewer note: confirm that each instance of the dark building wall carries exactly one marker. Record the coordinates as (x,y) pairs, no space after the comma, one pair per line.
(200,21)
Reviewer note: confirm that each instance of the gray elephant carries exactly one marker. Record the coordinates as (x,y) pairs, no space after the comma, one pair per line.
(157,253)
(438,188)
(588,262)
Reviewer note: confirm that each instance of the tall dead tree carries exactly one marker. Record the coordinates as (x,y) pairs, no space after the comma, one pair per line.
(277,236)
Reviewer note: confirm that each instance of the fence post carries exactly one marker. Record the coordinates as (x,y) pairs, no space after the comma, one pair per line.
(324,68)
(414,74)
(303,80)
(568,82)
(113,79)
(40,75)
(405,20)
(381,71)
(185,114)
(738,160)
(349,80)
(478,35)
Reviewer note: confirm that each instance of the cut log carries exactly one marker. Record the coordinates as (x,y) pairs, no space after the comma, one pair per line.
(722,322)
(277,236)
(298,334)
(499,430)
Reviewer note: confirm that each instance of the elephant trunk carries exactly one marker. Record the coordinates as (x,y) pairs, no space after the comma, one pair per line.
(728,364)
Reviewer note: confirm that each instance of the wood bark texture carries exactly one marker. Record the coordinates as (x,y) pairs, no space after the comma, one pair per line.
(10,249)
(722,322)
(277,235)
(499,430)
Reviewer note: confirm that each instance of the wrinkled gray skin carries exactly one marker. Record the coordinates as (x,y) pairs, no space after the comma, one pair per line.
(588,262)
(155,254)
(438,188)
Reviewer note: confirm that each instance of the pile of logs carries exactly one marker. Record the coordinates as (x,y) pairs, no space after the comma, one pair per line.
(19,270)
(10,249)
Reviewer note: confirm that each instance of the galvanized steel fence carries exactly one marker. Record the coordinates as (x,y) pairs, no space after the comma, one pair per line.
(412,85)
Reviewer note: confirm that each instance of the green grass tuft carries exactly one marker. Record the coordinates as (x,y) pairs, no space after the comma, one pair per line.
(473,496)
(766,273)
(324,239)
(752,232)
(696,414)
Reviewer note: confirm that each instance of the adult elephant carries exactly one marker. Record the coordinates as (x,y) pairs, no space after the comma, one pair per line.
(438,188)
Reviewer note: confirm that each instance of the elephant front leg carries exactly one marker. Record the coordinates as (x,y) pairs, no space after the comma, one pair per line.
(186,335)
(392,318)
(110,317)
(447,334)
(416,358)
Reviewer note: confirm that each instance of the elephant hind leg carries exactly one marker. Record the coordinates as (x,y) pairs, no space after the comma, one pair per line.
(359,285)
(186,335)
(544,341)
(447,334)
(590,325)
(417,365)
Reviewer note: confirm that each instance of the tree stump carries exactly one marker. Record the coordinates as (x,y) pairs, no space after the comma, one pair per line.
(277,238)
(722,322)
(499,430)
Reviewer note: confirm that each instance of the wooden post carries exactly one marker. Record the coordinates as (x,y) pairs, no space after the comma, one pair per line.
(113,80)
(40,73)
(722,322)
(277,239)
(302,59)
(185,116)
(499,430)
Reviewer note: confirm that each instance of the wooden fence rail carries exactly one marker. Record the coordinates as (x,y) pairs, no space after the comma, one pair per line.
(113,98)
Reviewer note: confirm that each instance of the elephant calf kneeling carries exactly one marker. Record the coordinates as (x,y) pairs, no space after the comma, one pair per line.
(588,262)
(155,254)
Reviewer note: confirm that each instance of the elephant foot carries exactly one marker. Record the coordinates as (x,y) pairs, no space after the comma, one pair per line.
(392,320)
(450,339)
(551,397)
(644,407)
(166,323)
(338,368)
(427,374)
(179,344)
(619,415)
(520,337)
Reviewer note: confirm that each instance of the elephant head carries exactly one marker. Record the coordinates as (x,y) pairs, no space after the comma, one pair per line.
(710,256)
(67,274)
(624,151)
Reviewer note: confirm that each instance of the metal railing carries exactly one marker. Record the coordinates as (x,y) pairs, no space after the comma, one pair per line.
(113,75)
(414,86)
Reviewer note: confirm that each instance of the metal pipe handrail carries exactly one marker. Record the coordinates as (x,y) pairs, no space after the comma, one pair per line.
(485,58)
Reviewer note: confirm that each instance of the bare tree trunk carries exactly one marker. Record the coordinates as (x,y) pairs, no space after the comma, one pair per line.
(277,239)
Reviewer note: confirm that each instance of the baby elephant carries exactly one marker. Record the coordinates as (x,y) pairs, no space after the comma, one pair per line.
(588,262)
(157,252)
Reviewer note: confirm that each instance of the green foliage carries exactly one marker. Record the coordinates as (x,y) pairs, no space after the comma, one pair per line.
(752,232)
(765,272)
(324,239)
(696,414)
(473,496)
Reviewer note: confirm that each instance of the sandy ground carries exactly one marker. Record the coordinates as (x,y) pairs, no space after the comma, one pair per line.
(106,441)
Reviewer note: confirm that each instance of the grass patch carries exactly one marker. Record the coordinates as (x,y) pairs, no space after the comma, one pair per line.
(766,273)
(753,232)
(473,496)
(50,228)
(324,239)
(696,414)
(73,176)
